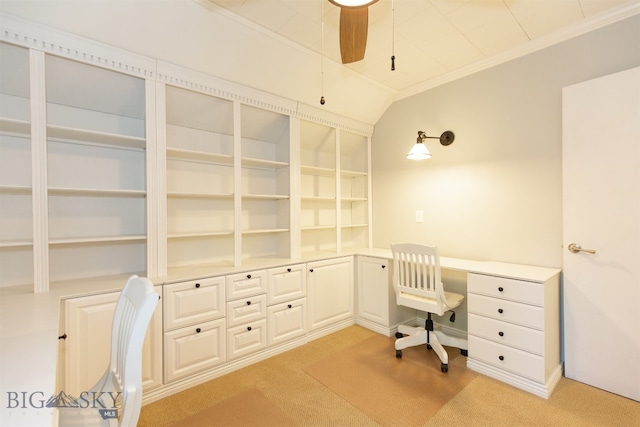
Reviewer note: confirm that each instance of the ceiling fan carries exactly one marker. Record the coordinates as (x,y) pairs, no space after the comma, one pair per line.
(354,23)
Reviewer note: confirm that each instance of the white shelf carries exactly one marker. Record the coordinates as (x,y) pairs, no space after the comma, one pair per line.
(16,244)
(353,199)
(355,225)
(94,192)
(265,231)
(265,196)
(89,137)
(318,199)
(318,227)
(315,170)
(15,189)
(352,174)
(263,164)
(20,127)
(97,240)
(176,236)
(215,158)
(181,195)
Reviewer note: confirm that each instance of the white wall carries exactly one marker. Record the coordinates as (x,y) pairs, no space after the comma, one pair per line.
(496,193)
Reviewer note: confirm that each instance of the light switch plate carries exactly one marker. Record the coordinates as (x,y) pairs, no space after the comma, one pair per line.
(419,216)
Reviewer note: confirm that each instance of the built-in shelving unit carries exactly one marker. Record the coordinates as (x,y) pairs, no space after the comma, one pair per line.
(265,217)
(354,190)
(114,164)
(200,180)
(95,170)
(318,187)
(16,211)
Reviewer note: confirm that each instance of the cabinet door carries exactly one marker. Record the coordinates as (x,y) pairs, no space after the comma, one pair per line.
(244,285)
(246,339)
(194,349)
(286,284)
(192,302)
(87,347)
(287,321)
(330,291)
(373,290)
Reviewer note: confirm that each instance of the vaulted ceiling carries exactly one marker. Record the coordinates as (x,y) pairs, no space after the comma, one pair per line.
(429,38)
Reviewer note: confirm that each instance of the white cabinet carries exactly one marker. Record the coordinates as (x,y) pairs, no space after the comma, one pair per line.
(286,297)
(87,347)
(194,324)
(330,292)
(514,330)
(246,313)
(377,308)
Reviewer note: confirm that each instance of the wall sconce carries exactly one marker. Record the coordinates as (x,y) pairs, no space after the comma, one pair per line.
(419,150)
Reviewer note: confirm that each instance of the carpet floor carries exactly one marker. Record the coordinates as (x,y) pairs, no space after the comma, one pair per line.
(352,378)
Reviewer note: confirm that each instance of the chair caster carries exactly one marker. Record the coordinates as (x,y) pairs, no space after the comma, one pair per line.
(399,354)
(444,367)
(465,353)
(399,335)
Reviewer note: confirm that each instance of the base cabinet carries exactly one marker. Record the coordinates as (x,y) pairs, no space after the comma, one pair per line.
(514,330)
(377,308)
(330,292)
(194,327)
(87,346)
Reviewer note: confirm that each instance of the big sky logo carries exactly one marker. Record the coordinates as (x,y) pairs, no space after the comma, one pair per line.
(104,402)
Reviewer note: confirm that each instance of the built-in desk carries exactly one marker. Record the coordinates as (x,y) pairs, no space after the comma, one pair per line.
(30,324)
(513,320)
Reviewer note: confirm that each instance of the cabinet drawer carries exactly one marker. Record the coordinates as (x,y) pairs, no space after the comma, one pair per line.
(194,349)
(287,321)
(246,284)
(514,312)
(246,339)
(192,302)
(246,310)
(286,284)
(507,358)
(526,339)
(510,289)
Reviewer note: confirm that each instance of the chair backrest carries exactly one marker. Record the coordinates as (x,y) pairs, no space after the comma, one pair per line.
(416,272)
(131,319)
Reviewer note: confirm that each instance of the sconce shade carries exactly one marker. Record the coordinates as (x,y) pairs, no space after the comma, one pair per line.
(419,151)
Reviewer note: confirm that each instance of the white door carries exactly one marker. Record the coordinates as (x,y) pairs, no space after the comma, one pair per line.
(601,211)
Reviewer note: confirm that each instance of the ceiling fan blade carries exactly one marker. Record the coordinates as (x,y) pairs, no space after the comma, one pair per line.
(354,23)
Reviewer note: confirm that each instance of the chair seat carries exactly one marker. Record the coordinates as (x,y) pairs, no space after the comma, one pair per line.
(430,304)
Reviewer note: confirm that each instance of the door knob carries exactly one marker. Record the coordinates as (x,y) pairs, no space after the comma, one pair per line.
(575,248)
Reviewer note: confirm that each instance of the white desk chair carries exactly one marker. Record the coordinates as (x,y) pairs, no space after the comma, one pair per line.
(131,319)
(417,283)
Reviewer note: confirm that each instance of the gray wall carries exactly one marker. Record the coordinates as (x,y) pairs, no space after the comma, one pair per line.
(496,193)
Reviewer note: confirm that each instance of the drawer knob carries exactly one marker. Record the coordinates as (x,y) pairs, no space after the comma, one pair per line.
(197,285)
(501,333)
(248,276)
(248,328)
(248,302)
(500,311)
(311,270)
(501,357)
(289,305)
(288,270)
(383,266)
(198,330)
(500,289)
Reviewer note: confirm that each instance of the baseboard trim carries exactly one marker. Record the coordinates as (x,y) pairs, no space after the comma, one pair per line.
(539,389)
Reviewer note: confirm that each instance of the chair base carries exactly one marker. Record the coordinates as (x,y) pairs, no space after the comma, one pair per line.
(416,335)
